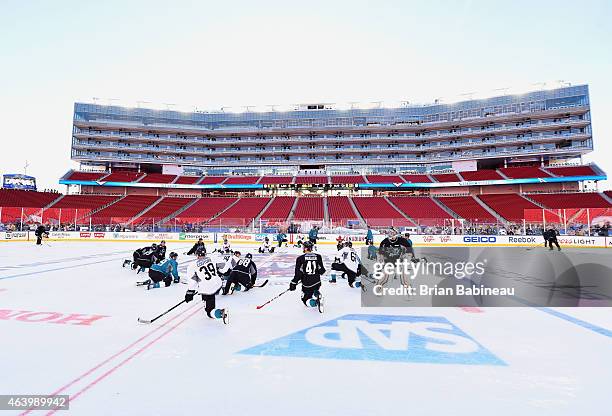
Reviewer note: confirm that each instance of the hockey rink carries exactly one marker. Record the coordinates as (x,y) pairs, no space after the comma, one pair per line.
(68,319)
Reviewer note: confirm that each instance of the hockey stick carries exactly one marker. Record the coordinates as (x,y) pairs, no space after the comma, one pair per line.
(273,299)
(263,284)
(148,321)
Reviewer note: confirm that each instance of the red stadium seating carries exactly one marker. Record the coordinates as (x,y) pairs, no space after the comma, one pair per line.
(447,177)
(164,208)
(481,175)
(242,212)
(347,179)
(524,172)
(30,199)
(309,209)
(608,194)
(157,178)
(377,212)
(84,201)
(572,171)
(212,180)
(509,206)
(123,210)
(573,200)
(123,177)
(187,180)
(241,180)
(466,207)
(311,180)
(279,209)
(384,179)
(203,210)
(86,176)
(276,180)
(339,208)
(421,208)
(416,178)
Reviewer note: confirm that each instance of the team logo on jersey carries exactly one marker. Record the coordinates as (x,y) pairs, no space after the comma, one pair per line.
(417,339)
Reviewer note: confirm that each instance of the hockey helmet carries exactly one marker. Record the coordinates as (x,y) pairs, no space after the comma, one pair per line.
(173,255)
(392,235)
(201,252)
(348,244)
(154,245)
(308,245)
(249,256)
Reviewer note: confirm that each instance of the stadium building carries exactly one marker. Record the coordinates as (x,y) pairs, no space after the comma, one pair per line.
(511,160)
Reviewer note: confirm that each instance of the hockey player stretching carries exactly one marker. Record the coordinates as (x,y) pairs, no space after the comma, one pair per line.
(266,247)
(349,264)
(166,271)
(308,269)
(205,281)
(244,274)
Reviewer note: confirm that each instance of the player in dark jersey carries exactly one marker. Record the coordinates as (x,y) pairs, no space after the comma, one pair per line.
(308,270)
(391,249)
(197,246)
(244,274)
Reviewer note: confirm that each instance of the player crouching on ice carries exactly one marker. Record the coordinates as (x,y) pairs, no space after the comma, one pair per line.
(308,269)
(196,247)
(41,231)
(143,258)
(166,271)
(347,263)
(244,274)
(205,281)
(225,248)
(266,247)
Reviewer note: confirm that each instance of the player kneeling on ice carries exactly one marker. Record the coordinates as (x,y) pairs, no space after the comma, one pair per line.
(348,263)
(230,262)
(196,247)
(225,247)
(244,274)
(266,247)
(166,271)
(308,270)
(143,258)
(205,281)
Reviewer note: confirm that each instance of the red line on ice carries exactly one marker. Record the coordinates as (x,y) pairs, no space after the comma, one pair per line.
(88,372)
(471,309)
(122,363)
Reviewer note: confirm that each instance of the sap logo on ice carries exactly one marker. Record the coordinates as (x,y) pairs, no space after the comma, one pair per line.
(419,339)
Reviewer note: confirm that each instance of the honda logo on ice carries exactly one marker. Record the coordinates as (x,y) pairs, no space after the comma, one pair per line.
(421,339)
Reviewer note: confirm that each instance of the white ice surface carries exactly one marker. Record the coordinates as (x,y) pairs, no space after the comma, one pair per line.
(119,367)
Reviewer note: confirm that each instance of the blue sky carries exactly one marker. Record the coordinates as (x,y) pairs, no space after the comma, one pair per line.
(214,54)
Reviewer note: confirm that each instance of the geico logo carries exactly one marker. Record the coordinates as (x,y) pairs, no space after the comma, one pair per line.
(479,239)
(521,239)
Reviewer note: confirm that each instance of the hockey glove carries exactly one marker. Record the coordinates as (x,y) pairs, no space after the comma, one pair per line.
(292,286)
(189,295)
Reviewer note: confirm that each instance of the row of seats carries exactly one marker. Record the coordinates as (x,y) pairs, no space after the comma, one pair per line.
(239,211)
(483,174)
(30,199)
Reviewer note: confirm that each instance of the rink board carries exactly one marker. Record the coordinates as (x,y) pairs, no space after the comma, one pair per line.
(68,316)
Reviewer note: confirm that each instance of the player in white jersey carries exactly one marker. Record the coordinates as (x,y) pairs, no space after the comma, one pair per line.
(266,247)
(205,281)
(225,248)
(349,263)
(230,263)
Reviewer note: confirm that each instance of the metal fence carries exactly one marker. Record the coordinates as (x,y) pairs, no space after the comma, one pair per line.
(575,221)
